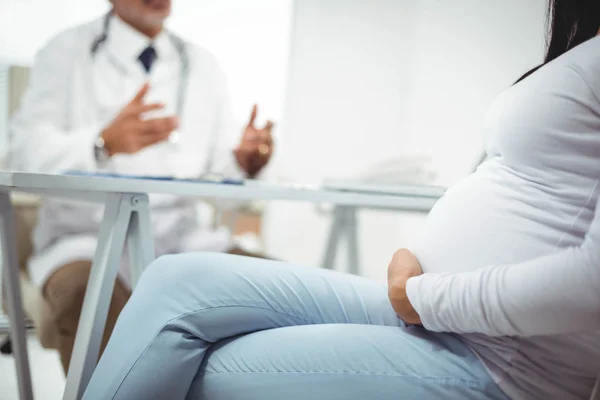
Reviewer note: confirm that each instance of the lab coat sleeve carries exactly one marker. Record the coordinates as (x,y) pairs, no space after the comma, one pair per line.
(552,295)
(228,133)
(40,138)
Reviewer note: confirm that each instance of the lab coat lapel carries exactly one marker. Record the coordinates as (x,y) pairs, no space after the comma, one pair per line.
(81,106)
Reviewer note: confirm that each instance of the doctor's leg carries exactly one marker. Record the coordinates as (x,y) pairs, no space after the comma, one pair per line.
(187,304)
(64,292)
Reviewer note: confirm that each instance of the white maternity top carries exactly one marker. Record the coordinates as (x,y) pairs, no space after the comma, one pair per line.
(524,236)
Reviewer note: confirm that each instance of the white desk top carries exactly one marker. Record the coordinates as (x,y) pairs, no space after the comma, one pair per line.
(97,188)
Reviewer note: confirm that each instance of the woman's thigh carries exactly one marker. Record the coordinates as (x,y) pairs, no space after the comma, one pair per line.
(345,362)
(184,304)
(226,288)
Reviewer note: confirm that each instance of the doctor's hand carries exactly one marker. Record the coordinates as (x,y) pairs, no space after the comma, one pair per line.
(404,265)
(129,133)
(256,146)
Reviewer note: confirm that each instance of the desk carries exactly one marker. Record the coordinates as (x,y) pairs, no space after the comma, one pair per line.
(126,217)
(345,224)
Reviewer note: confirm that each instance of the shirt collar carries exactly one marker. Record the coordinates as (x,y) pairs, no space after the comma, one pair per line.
(126,43)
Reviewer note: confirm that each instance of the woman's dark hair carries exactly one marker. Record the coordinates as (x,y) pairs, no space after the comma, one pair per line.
(569,23)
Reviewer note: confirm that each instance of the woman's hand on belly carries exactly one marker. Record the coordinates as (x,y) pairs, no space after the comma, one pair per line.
(404,265)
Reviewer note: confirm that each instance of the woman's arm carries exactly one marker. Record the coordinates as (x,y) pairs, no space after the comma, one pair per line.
(551,295)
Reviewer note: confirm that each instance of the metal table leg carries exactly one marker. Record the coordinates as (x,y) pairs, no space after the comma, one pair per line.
(345,223)
(335,234)
(139,238)
(116,223)
(351,227)
(12,286)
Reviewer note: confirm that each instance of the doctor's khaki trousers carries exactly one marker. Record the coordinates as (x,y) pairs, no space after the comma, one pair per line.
(222,327)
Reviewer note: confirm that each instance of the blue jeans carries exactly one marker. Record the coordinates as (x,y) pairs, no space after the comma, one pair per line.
(217,327)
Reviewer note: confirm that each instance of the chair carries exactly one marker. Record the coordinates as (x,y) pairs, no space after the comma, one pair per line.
(36,310)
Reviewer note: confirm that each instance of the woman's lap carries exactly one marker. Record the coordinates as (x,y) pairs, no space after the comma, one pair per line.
(349,362)
(188,305)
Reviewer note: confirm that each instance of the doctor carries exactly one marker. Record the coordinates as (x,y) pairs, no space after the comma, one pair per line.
(124,95)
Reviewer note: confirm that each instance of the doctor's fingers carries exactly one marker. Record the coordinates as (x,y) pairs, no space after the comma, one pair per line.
(139,96)
(258,138)
(253,115)
(159,126)
(259,135)
(265,133)
(268,127)
(150,139)
(136,109)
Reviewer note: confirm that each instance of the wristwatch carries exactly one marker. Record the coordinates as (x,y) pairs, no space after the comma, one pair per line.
(100,151)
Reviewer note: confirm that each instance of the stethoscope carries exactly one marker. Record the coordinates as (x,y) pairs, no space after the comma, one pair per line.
(183,75)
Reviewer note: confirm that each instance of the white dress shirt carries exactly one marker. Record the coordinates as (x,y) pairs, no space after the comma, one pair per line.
(73,95)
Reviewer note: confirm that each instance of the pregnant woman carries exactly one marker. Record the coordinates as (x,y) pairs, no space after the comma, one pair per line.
(500,299)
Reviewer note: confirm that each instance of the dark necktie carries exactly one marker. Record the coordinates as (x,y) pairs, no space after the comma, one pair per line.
(147,57)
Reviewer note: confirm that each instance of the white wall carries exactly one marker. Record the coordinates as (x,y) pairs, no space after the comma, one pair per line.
(26,25)
(370,80)
(468,52)
(250,39)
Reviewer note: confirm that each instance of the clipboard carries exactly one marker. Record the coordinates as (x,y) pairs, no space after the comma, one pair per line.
(207,178)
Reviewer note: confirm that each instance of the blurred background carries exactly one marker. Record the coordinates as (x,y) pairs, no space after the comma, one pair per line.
(349,83)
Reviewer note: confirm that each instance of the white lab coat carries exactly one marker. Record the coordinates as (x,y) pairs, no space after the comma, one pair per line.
(73,95)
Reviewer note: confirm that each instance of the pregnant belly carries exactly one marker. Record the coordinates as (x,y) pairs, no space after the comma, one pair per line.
(480,223)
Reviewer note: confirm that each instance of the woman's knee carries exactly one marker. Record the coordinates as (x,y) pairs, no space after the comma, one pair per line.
(172,273)
(177,285)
